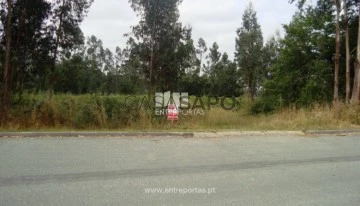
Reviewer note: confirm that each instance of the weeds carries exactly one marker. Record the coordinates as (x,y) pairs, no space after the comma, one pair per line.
(95,112)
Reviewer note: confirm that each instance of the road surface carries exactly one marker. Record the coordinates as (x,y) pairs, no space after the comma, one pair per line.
(233,170)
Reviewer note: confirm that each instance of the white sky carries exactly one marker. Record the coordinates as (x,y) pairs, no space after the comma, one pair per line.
(213,20)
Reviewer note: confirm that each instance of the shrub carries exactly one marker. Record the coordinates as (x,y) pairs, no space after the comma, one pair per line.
(264,105)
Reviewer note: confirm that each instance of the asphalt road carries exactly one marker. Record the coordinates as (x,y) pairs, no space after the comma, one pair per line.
(234,170)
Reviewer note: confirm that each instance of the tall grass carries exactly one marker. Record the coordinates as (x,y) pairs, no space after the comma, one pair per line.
(117,112)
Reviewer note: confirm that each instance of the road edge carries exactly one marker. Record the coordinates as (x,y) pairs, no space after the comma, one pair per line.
(94,134)
(177,134)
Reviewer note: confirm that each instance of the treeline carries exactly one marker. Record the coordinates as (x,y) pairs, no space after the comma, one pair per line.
(34,34)
(45,50)
(317,60)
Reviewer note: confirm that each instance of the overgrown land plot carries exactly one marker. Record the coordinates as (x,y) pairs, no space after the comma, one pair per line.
(55,78)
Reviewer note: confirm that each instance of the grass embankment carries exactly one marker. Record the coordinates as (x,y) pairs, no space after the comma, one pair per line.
(119,113)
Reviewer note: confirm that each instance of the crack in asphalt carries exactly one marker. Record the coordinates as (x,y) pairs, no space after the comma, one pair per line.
(105,175)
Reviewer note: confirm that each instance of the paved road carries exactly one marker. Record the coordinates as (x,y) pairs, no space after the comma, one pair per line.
(233,170)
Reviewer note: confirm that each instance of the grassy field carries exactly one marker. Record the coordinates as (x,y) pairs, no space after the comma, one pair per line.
(121,113)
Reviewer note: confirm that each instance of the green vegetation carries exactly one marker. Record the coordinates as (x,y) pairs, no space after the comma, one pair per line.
(55,78)
(121,113)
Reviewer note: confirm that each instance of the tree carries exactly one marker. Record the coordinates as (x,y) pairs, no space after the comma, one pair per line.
(213,58)
(31,45)
(95,58)
(214,54)
(347,47)
(201,50)
(5,100)
(95,53)
(220,74)
(72,75)
(65,27)
(225,79)
(270,54)
(249,43)
(337,57)
(302,73)
(337,52)
(356,88)
(131,77)
(165,48)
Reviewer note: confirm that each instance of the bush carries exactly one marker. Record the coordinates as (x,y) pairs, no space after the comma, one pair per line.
(81,112)
(265,105)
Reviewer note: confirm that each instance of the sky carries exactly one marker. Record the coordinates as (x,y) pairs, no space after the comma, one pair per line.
(213,20)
